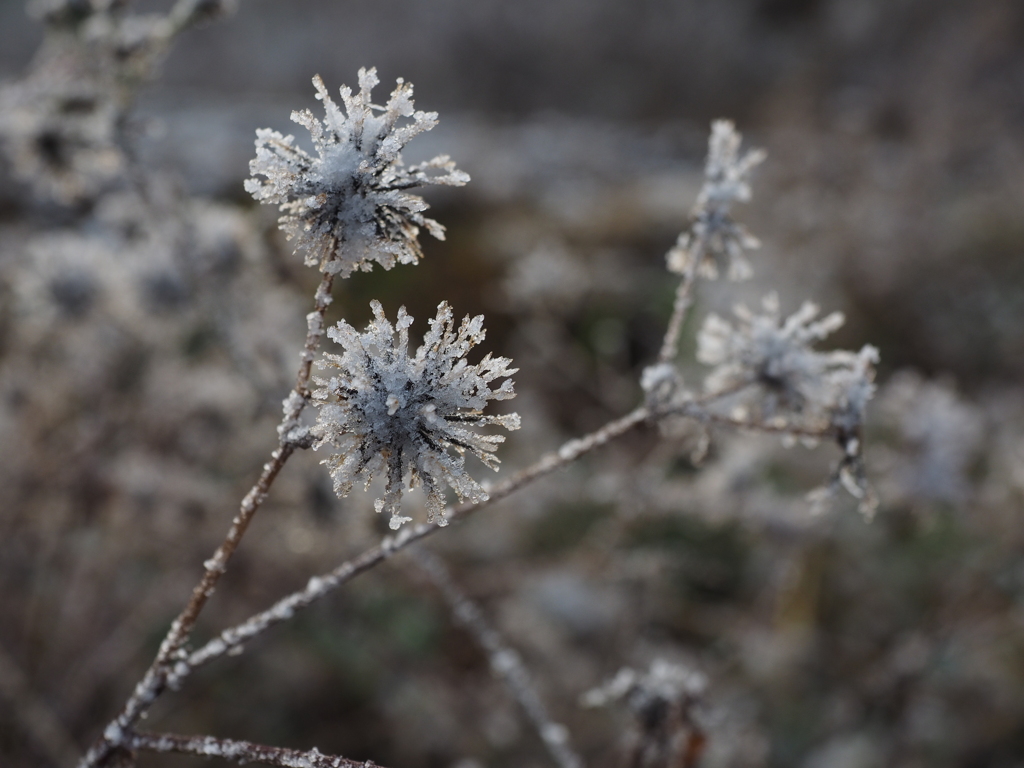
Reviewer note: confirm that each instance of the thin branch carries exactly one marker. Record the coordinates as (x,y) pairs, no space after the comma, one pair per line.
(169,654)
(775,427)
(681,305)
(241,752)
(318,586)
(217,565)
(504,660)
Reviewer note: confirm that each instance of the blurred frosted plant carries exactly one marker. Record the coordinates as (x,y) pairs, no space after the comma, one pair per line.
(714,237)
(348,206)
(799,390)
(62,276)
(58,129)
(62,125)
(663,701)
(663,388)
(393,415)
(941,436)
(849,385)
(663,682)
(763,349)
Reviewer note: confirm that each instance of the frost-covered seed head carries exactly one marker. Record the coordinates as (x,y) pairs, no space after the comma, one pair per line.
(349,205)
(763,349)
(394,415)
(825,392)
(664,685)
(714,236)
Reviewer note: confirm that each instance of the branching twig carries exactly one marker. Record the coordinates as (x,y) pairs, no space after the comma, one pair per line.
(504,660)
(319,586)
(241,752)
(683,302)
(169,654)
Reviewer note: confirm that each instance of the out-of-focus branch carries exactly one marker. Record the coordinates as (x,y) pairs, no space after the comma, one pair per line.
(681,305)
(291,436)
(504,660)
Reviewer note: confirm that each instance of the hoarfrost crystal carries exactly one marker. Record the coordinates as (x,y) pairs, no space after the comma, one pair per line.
(349,206)
(395,415)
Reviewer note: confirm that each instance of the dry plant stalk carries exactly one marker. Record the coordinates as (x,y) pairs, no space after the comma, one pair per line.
(409,418)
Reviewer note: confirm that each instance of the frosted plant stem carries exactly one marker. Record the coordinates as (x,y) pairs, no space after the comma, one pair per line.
(319,586)
(504,660)
(155,680)
(682,304)
(241,752)
(780,427)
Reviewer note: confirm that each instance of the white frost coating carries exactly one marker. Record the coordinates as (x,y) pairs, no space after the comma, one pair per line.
(570,449)
(348,206)
(290,429)
(114,733)
(714,235)
(663,387)
(799,389)
(504,660)
(395,415)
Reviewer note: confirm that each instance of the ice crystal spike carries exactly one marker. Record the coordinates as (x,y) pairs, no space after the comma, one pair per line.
(394,415)
(349,205)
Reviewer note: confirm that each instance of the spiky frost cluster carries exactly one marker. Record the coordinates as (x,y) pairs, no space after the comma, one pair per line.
(394,415)
(714,236)
(778,355)
(349,206)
